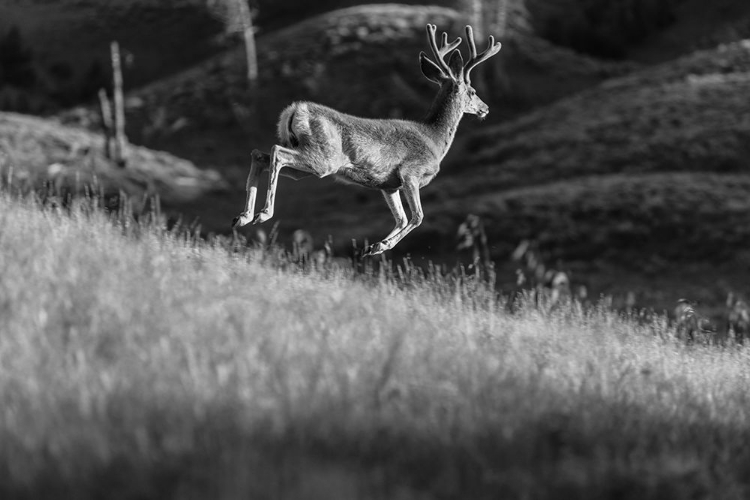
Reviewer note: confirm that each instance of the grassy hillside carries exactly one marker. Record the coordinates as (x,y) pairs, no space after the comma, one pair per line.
(35,150)
(140,364)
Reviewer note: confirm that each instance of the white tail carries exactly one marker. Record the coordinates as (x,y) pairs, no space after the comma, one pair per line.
(389,155)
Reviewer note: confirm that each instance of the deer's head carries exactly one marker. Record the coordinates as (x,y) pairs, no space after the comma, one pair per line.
(454,74)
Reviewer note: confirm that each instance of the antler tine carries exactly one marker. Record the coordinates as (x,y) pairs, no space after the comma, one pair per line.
(492,49)
(445,48)
(472,45)
(448,47)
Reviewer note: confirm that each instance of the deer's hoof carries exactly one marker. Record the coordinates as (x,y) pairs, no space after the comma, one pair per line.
(261,218)
(376,249)
(240,220)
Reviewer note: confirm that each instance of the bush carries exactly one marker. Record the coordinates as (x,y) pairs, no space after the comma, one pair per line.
(15,61)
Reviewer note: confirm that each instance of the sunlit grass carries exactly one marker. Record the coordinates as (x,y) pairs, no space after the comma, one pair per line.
(136,362)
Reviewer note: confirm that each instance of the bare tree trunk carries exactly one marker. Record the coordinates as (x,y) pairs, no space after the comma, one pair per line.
(499,76)
(501,18)
(120,144)
(248,33)
(106,114)
(475,9)
(490,17)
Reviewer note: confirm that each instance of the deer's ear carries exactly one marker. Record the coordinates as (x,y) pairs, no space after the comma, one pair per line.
(429,69)
(456,64)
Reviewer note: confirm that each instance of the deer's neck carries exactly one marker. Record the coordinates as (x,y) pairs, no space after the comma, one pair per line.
(443,118)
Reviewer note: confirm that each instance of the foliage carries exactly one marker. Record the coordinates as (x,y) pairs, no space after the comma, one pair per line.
(141,363)
(15,61)
(601,28)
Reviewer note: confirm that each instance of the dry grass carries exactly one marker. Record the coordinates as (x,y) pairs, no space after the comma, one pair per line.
(139,363)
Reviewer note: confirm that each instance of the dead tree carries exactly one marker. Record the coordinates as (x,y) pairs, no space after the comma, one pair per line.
(248,33)
(490,17)
(105,110)
(119,149)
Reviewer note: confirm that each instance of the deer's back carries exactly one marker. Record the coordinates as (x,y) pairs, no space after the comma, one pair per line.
(364,150)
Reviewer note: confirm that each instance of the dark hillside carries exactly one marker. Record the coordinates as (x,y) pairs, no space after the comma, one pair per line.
(68,40)
(687,116)
(691,114)
(360,60)
(697,25)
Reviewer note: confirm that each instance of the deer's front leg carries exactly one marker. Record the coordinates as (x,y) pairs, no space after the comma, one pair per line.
(411,191)
(393,199)
(260,162)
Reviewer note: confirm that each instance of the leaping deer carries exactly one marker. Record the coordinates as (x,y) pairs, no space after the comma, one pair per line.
(386,154)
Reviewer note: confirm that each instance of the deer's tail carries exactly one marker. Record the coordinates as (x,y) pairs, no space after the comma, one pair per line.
(290,122)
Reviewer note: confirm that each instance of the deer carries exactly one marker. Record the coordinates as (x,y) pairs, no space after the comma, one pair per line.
(390,155)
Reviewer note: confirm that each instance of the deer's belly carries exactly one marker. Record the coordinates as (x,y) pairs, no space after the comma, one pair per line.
(368,177)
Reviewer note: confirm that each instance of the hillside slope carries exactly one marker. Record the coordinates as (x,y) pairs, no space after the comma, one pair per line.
(690,114)
(362,60)
(158,367)
(698,25)
(687,116)
(34,150)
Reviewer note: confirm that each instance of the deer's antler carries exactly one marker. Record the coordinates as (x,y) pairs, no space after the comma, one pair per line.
(441,52)
(474,59)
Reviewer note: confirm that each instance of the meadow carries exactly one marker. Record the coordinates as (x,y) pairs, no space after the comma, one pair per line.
(141,362)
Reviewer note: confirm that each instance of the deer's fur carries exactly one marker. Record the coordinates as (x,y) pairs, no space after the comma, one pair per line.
(386,154)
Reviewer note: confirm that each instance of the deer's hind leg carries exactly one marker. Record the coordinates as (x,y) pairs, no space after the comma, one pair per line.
(280,157)
(260,162)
